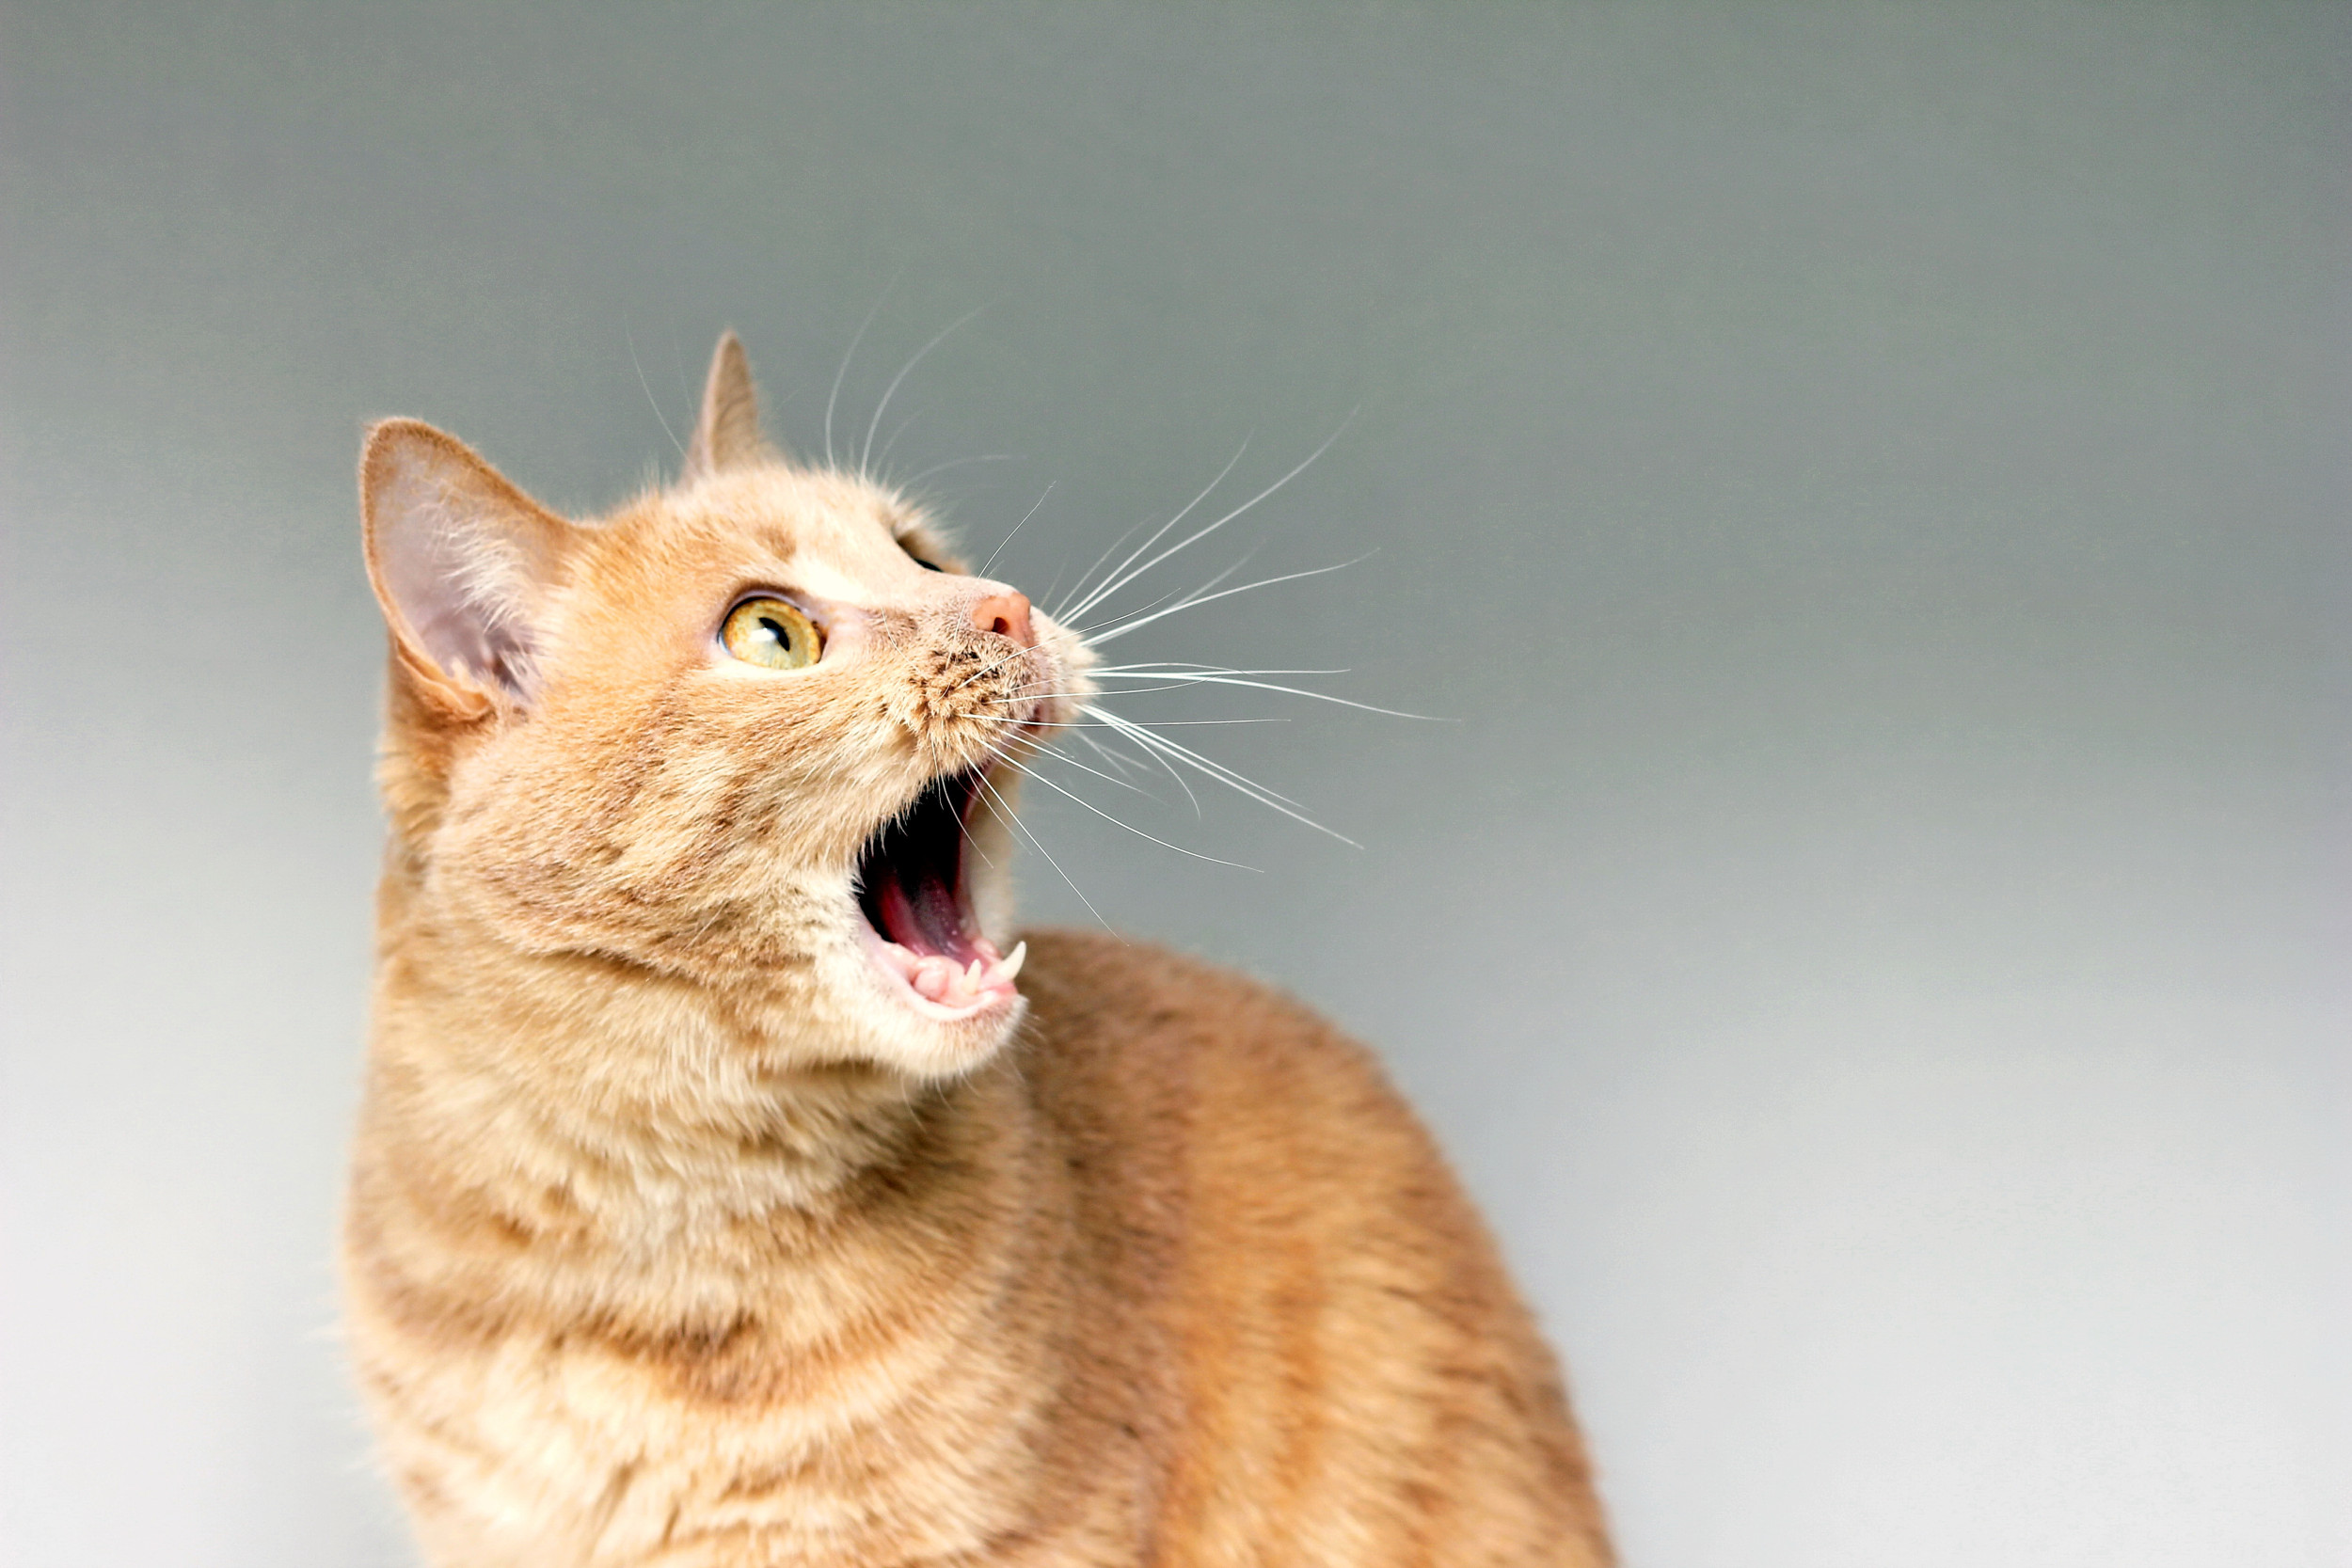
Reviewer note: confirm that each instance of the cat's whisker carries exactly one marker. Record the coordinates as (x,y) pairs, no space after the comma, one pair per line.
(1198,599)
(850,353)
(1161,669)
(1057,726)
(1039,778)
(1084,633)
(1123,761)
(1036,696)
(997,663)
(1129,575)
(1016,529)
(965,830)
(1079,587)
(1145,738)
(959,463)
(1092,599)
(1167,768)
(1288,691)
(882,457)
(1116,758)
(1148,735)
(1006,812)
(650,399)
(1065,756)
(938,338)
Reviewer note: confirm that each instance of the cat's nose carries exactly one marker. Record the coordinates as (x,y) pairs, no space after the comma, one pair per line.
(1007,615)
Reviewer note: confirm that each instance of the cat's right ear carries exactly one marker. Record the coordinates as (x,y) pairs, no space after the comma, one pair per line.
(463,562)
(727,432)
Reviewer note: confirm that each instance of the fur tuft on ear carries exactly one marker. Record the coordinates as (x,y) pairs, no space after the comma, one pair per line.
(463,562)
(727,434)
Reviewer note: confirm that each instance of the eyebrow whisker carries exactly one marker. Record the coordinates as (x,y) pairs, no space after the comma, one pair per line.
(875,423)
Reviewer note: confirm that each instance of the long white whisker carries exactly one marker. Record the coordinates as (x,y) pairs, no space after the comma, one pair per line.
(875,423)
(1016,529)
(1112,549)
(961,461)
(1094,599)
(1148,735)
(1084,633)
(1150,757)
(1130,692)
(965,830)
(1164,671)
(1170,770)
(1300,691)
(997,663)
(1224,775)
(1112,778)
(1198,599)
(1021,827)
(1118,759)
(627,337)
(1194,538)
(882,457)
(1115,822)
(1056,727)
(850,353)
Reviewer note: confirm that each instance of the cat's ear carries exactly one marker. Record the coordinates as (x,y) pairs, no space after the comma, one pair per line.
(727,434)
(463,563)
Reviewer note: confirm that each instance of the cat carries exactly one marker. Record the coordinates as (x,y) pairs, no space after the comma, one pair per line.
(730,1189)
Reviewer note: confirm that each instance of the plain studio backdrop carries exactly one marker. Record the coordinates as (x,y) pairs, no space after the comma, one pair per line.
(1862,489)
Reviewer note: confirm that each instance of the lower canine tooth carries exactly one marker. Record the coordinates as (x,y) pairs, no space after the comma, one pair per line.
(1010,967)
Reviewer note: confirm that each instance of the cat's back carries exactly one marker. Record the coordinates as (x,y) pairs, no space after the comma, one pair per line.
(1351,1368)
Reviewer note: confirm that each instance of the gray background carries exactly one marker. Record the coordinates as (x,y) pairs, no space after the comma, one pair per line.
(1865,486)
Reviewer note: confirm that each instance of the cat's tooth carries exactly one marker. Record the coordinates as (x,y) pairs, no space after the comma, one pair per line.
(1008,967)
(932,977)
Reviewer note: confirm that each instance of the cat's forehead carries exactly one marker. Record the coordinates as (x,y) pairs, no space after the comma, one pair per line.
(781,511)
(771,514)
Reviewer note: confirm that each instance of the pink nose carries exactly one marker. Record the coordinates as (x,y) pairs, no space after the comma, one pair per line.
(1007,615)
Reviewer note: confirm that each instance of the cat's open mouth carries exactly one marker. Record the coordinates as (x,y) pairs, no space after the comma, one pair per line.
(910,888)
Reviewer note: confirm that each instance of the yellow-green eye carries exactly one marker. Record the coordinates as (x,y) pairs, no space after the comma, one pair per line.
(772,634)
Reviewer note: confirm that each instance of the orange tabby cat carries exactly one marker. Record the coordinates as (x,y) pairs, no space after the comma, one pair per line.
(728,1193)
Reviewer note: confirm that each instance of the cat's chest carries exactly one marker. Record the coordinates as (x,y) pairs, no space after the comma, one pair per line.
(906,1447)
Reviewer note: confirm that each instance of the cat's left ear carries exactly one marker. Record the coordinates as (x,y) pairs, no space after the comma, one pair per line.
(463,563)
(727,434)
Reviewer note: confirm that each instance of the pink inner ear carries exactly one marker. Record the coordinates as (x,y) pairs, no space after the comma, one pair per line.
(454,570)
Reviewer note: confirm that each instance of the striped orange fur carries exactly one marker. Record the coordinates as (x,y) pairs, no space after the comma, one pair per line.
(687,1228)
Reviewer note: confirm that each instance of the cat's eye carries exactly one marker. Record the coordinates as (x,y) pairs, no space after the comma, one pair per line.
(772,634)
(927,566)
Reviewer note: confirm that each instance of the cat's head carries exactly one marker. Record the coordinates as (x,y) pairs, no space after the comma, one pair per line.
(755,731)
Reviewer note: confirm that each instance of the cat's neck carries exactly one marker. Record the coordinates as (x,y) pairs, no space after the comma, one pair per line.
(608,1117)
(774,1250)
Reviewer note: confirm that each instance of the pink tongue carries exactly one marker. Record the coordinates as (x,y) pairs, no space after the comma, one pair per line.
(925,920)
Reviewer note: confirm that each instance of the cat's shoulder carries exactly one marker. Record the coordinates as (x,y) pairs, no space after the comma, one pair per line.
(1094,984)
(1104,1008)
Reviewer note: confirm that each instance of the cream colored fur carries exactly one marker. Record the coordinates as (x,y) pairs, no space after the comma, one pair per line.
(676,1236)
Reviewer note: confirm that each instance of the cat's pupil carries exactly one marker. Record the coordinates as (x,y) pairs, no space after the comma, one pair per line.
(775,629)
